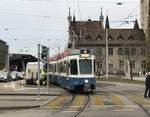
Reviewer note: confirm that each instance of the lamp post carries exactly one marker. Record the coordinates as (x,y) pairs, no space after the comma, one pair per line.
(106,53)
(38,71)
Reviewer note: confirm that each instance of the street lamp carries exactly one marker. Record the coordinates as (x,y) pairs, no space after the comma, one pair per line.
(106,53)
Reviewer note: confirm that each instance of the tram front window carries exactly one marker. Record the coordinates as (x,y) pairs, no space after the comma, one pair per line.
(73,67)
(85,66)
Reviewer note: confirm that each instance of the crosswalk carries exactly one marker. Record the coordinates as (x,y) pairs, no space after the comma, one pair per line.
(112,101)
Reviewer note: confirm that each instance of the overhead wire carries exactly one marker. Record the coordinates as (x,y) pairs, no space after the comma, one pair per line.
(129,16)
(78,3)
(81,1)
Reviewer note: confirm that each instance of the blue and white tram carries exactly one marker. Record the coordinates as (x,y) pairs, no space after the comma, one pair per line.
(74,71)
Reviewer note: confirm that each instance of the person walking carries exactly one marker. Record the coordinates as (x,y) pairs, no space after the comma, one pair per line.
(147,85)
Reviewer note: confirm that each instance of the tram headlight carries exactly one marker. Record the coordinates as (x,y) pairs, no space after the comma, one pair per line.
(86,81)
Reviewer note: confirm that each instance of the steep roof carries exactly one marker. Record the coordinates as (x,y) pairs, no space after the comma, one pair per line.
(115,37)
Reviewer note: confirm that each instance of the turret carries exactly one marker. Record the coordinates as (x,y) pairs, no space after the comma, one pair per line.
(107,23)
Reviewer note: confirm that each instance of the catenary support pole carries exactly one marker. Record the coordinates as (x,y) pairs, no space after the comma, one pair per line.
(38,71)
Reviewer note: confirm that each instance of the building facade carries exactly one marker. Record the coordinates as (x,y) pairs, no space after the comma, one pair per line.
(145,16)
(4,55)
(126,47)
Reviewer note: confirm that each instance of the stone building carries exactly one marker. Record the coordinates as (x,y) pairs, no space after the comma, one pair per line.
(124,45)
(3,55)
(145,16)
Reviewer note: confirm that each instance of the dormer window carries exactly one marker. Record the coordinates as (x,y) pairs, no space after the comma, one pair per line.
(131,37)
(110,37)
(88,37)
(120,37)
(99,38)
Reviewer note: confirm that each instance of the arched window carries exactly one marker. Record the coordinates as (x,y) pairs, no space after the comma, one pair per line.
(88,37)
(120,37)
(120,51)
(132,63)
(133,51)
(142,51)
(131,37)
(99,37)
(110,37)
(126,52)
(143,64)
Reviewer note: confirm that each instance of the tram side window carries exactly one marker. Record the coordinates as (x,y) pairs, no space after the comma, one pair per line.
(67,68)
(73,67)
(94,66)
(55,67)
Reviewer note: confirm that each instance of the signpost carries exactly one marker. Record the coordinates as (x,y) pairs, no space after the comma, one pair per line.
(44,57)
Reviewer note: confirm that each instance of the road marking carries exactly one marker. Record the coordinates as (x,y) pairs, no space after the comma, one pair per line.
(97,100)
(117,100)
(124,110)
(57,102)
(77,103)
(69,111)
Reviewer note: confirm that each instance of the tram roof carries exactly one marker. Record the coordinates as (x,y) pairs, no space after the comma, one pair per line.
(69,53)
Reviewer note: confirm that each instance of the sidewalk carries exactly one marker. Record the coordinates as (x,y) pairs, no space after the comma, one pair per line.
(23,101)
(142,78)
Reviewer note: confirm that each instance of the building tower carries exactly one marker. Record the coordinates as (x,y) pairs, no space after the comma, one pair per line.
(69,17)
(101,18)
(145,17)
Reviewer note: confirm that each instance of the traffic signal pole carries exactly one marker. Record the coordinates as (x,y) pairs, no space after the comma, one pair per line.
(47,70)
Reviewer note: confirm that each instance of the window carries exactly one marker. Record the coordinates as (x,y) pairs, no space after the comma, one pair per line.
(126,51)
(121,64)
(110,51)
(133,51)
(100,51)
(142,51)
(120,37)
(67,68)
(130,37)
(99,38)
(88,37)
(73,67)
(110,66)
(120,51)
(99,64)
(143,64)
(110,37)
(132,64)
(29,71)
(85,66)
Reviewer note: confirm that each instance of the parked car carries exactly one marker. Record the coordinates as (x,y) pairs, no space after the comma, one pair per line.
(14,75)
(20,75)
(5,76)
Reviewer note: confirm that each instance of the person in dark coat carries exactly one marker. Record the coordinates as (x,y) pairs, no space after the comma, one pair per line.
(147,85)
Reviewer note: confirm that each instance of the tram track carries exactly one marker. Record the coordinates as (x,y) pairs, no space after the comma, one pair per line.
(84,107)
(76,104)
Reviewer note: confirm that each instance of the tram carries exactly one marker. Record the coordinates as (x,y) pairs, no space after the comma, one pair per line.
(74,70)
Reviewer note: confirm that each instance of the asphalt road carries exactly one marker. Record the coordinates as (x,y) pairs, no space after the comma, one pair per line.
(108,100)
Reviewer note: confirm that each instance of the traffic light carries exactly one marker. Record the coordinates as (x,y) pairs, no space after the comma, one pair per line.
(44,53)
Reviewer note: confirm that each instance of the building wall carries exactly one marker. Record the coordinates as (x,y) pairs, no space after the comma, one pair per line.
(114,60)
(3,55)
(145,16)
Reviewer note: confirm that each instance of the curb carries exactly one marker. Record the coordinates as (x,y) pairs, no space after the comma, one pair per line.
(19,107)
(28,94)
(28,107)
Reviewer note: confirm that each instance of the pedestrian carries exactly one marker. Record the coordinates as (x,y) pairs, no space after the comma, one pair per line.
(147,85)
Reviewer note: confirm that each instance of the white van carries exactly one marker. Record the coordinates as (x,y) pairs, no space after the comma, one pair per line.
(32,72)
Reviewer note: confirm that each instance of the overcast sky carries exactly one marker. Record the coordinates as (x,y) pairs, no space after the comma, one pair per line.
(25,23)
